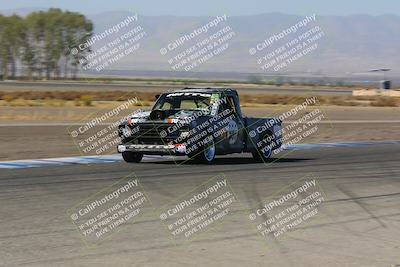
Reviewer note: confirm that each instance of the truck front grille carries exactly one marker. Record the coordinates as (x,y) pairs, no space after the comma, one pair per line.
(151,133)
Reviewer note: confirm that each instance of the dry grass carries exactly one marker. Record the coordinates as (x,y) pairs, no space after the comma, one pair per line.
(378,101)
(91,98)
(73,95)
(385,102)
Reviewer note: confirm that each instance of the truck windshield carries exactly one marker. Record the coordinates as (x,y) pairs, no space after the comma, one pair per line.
(184,101)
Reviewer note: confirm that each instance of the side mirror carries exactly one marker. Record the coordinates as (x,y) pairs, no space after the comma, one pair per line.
(156,97)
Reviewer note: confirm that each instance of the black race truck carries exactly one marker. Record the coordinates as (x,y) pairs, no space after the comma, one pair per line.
(200,123)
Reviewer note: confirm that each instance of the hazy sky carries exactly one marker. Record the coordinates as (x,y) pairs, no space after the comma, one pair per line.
(213,7)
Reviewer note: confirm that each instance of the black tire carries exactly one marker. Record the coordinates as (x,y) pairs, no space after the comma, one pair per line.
(130,157)
(207,154)
(263,153)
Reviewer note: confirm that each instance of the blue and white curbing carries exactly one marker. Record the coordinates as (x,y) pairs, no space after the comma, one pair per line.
(340,144)
(50,162)
(82,160)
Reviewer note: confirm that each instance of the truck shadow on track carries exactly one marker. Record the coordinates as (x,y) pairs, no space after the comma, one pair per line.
(230,161)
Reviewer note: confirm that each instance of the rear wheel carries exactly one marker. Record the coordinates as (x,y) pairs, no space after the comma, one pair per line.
(207,154)
(130,156)
(264,152)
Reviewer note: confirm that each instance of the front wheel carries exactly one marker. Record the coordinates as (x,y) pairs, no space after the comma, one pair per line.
(130,156)
(207,155)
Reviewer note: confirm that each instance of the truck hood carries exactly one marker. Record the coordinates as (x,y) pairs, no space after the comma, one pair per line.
(180,115)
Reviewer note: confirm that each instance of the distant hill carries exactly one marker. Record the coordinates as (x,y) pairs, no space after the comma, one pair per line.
(352,44)
(20,11)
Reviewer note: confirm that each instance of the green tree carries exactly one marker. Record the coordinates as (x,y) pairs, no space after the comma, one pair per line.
(2,46)
(28,53)
(47,40)
(79,31)
(15,37)
(10,43)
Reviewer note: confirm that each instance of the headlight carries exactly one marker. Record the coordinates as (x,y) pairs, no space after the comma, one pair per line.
(184,134)
(126,131)
(184,131)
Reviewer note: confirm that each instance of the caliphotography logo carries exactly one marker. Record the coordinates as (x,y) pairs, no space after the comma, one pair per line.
(199,133)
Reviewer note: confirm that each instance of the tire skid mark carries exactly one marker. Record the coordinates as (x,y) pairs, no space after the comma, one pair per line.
(356,199)
(253,196)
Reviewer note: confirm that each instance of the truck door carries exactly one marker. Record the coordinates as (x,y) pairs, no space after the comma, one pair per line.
(234,137)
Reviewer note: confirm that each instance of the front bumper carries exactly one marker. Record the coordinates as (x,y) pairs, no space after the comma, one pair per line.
(178,149)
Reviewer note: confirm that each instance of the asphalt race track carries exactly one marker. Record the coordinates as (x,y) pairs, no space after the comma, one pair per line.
(358,224)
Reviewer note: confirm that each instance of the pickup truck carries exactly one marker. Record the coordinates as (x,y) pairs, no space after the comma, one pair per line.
(200,123)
